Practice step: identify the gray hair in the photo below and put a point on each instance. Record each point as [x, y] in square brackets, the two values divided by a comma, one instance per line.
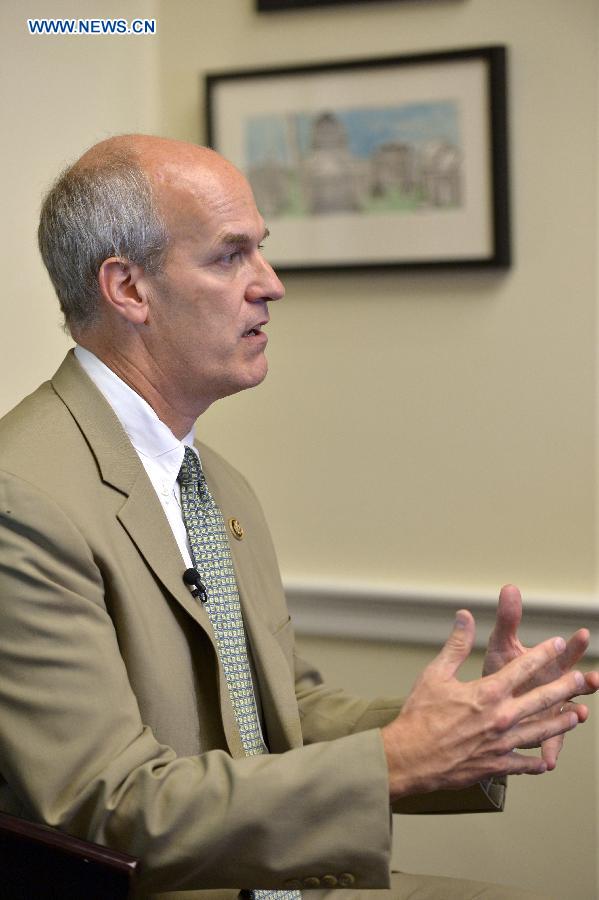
[93, 212]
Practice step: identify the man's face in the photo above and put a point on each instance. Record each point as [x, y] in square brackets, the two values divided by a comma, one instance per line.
[208, 305]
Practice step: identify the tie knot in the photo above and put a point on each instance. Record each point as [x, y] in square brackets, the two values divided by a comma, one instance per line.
[191, 470]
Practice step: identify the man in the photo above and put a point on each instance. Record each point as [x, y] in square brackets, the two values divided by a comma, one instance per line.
[150, 696]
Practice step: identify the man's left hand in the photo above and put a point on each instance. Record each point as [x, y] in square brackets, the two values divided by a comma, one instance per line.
[504, 645]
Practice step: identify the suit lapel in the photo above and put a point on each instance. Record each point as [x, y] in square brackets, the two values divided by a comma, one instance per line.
[144, 520]
[141, 514]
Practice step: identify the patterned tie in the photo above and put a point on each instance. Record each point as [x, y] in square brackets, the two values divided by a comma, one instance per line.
[211, 557]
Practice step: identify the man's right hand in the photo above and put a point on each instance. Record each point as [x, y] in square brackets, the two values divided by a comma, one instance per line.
[451, 734]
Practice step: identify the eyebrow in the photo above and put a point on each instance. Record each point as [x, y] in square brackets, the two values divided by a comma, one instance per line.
[240, 239]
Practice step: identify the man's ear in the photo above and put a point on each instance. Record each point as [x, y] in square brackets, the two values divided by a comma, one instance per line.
[123, 288]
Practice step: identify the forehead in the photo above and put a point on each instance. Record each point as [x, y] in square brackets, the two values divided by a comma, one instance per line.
[202, 202]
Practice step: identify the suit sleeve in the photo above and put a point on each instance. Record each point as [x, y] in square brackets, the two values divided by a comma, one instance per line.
[327, 714]
[75, 753]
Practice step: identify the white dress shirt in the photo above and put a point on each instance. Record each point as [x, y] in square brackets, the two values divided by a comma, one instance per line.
[160, 452]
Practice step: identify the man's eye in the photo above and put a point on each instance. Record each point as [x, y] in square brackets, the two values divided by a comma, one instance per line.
[230, 258]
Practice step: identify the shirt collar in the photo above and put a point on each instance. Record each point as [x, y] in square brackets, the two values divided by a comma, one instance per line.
[150, 436]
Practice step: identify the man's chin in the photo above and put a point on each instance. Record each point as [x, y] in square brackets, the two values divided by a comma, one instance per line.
[251, 379]
[258, 373]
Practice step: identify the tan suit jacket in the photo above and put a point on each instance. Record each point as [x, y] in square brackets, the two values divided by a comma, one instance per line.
[115, 722]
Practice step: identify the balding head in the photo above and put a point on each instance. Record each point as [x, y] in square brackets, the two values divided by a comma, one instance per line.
[176, 170]
[122, 199]
[164, 160]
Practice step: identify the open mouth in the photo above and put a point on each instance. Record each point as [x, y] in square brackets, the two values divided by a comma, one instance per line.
[255, 331]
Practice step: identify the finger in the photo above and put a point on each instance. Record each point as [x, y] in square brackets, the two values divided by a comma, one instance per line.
[551, 749]
[592, 682]
[580, 709]
[576, 647]
[547, 695]
[456, 648]
[535, 732]
[508, 617]
[519, 764]
[522, 670]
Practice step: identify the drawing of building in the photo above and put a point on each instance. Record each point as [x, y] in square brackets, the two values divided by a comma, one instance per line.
[270, 184]
[439, 164]
[394, 167]
[332, 179]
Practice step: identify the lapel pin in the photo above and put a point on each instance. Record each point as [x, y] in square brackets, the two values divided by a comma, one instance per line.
[236, 529]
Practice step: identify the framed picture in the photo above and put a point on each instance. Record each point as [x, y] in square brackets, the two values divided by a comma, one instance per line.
[277, 5]
[373, 163]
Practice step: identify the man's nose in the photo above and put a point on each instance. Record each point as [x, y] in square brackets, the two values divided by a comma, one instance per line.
[266, 284]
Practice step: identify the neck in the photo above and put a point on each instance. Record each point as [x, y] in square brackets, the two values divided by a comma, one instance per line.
[176, 413]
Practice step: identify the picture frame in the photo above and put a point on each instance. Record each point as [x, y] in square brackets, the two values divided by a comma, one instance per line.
[284, 5]
[374, 163]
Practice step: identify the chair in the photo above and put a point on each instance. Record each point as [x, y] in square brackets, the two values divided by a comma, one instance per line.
[42, 863]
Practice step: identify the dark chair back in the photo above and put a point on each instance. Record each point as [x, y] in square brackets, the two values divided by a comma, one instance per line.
[41, 863]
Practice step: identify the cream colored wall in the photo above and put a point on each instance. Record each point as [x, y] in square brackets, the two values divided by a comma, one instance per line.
[438, 429]
[59, 95]
[446, 422]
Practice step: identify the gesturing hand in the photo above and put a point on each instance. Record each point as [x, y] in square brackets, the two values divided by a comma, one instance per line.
[504, 646]
[451, 734]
